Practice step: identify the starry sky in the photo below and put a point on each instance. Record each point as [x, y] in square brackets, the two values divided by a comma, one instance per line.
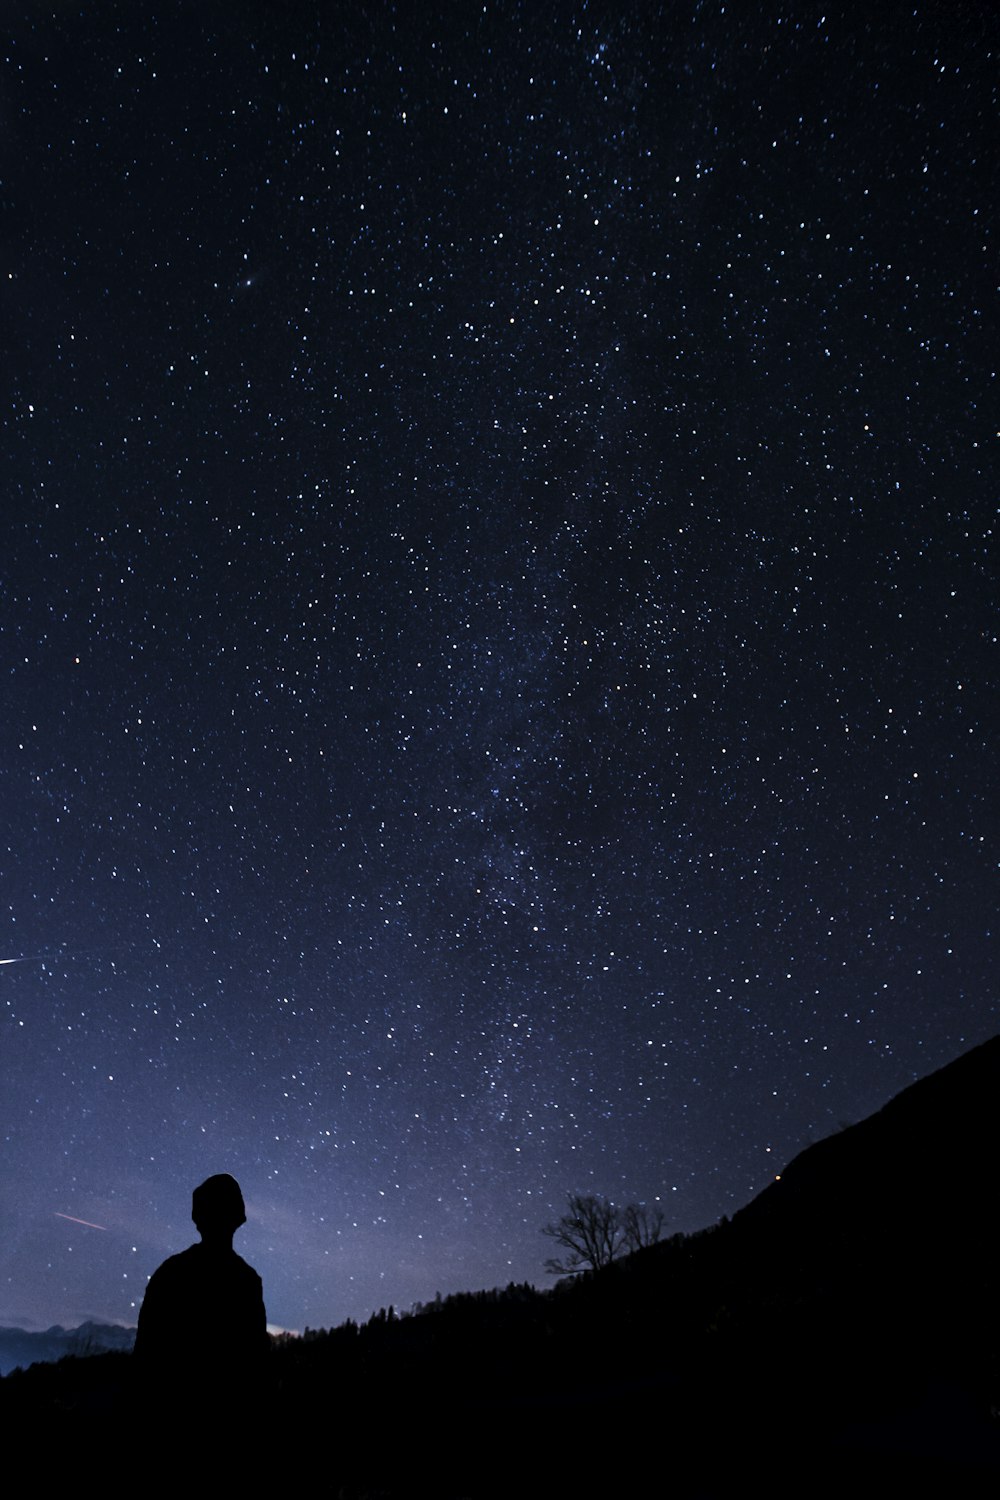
[498, 627]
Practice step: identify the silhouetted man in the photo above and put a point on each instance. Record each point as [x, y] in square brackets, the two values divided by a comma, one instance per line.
[202, 1341]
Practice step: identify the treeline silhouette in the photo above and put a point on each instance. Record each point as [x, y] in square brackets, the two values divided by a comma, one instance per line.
[841, 1330]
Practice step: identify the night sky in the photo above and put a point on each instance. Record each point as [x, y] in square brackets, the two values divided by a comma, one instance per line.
[498, 628]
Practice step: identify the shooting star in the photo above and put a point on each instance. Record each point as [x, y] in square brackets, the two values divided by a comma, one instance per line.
[61, 954]
[85, 1222]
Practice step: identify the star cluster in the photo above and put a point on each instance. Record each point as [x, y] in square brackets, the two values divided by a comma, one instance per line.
[499, 629]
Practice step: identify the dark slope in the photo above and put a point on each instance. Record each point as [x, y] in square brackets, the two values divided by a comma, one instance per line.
[905, 1189]
[928, 1155]
[890, 1223]
[851, 1309]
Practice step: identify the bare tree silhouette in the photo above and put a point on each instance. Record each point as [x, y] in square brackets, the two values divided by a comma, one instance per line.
[593, 1232]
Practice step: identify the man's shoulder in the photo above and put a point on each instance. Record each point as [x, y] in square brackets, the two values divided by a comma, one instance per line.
[176, 1266]
[182, 1259]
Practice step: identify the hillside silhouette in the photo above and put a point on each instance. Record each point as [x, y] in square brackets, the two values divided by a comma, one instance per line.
[842, 1329]
[19, 1348]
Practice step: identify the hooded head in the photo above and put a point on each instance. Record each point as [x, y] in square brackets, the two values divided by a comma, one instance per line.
[217, 1206]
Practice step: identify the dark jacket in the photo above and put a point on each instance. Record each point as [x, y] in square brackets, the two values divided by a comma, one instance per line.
[202, 1338]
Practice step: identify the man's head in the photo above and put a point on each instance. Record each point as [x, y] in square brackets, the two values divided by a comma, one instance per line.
[217, 1207]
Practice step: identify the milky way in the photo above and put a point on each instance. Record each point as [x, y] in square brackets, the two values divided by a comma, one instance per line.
[499, 634]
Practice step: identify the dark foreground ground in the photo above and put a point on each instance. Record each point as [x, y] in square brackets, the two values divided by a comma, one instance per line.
[840, 1336]
[446, 1405]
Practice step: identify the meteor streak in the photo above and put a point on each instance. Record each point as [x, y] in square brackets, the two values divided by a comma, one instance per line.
[85, 1222]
